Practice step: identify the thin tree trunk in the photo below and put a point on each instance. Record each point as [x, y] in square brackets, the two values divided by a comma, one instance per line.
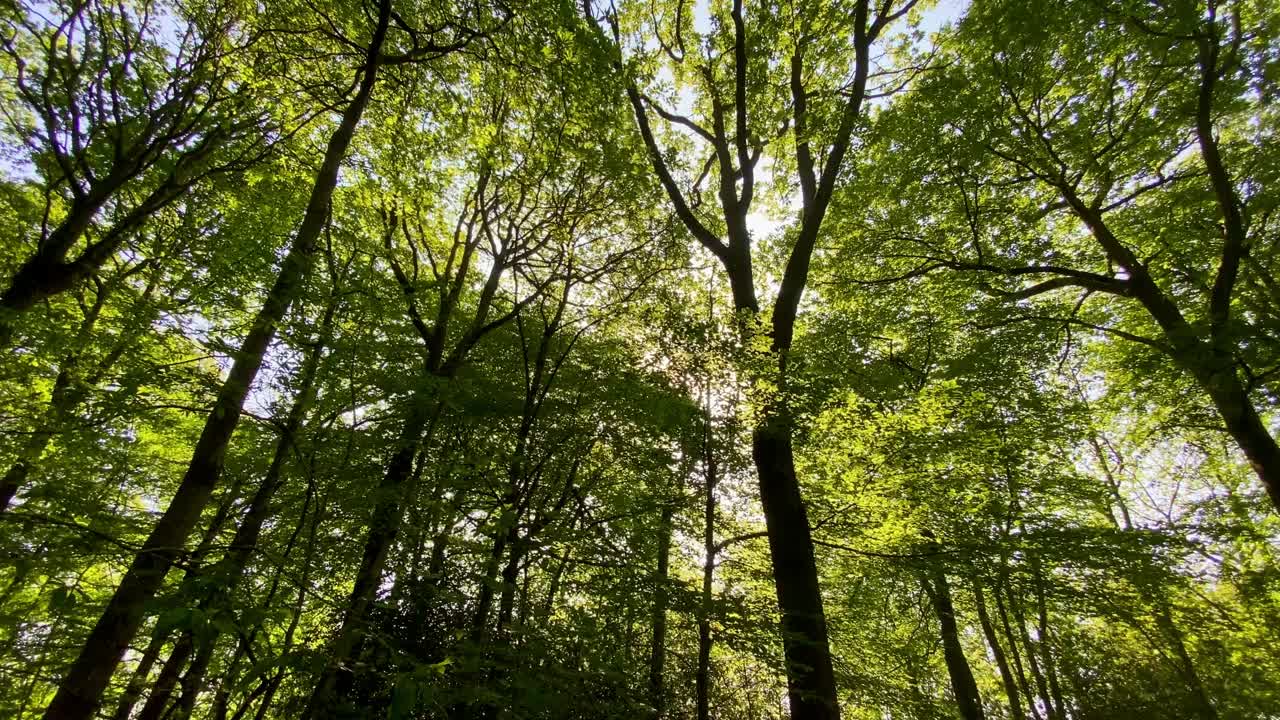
[553, 588]
[1200, 704]
[62, 402]
[1014, 652]
[658, 647]
[711, 478]
[81, 689]
[1042, 685]
[997, 652]
[963, 686]
[1046, 649]
[162, 688]
[138, 681]
[510, 580]
[383, 527]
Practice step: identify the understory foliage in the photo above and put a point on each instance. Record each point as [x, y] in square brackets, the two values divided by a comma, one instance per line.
[561, 359]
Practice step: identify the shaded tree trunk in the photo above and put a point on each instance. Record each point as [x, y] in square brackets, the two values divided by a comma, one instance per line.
[810, 676]
[63, 400]
[1014, 652]
[138, 680]
[658, 644]
[997, 652]
[710, 480]
[963, 686]
[384, 525]
[1033, 663]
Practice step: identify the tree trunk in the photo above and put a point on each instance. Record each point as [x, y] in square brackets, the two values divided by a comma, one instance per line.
[997, 652]
[40, 276]
[1014, 652]
[230, 570]
[383, 527]
[510, 580]
[963, 686]
[1037, 675]
[658, 647]
[62, 401]
[810, 677]
[1246, 427]
[1046, 649]
[138, 681]
[81, 689]
[162, 688]
[711, 479]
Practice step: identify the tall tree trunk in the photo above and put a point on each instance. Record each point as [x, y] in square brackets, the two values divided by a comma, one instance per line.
[710, 480]
[138, 681]
[383, 528]
[81, 689]
[1046, 648]
[229, 571]
[1014, 652]
[963, 686]
[997, 652]
[658, 645]
[1033, 663]
[162, 688]
[810, 676]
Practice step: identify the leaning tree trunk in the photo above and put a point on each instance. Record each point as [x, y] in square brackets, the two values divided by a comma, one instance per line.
[62, 402]
[997, 652]
[230, 569]
[963, 686]
[81, 689]
[383, 528]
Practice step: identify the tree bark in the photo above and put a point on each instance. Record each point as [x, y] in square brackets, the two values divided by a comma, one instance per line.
[810, 676]
[81, 689]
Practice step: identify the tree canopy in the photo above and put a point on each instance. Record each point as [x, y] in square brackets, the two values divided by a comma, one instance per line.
[569, 359]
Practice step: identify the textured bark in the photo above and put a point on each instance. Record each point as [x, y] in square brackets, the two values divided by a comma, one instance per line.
[81, 689]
